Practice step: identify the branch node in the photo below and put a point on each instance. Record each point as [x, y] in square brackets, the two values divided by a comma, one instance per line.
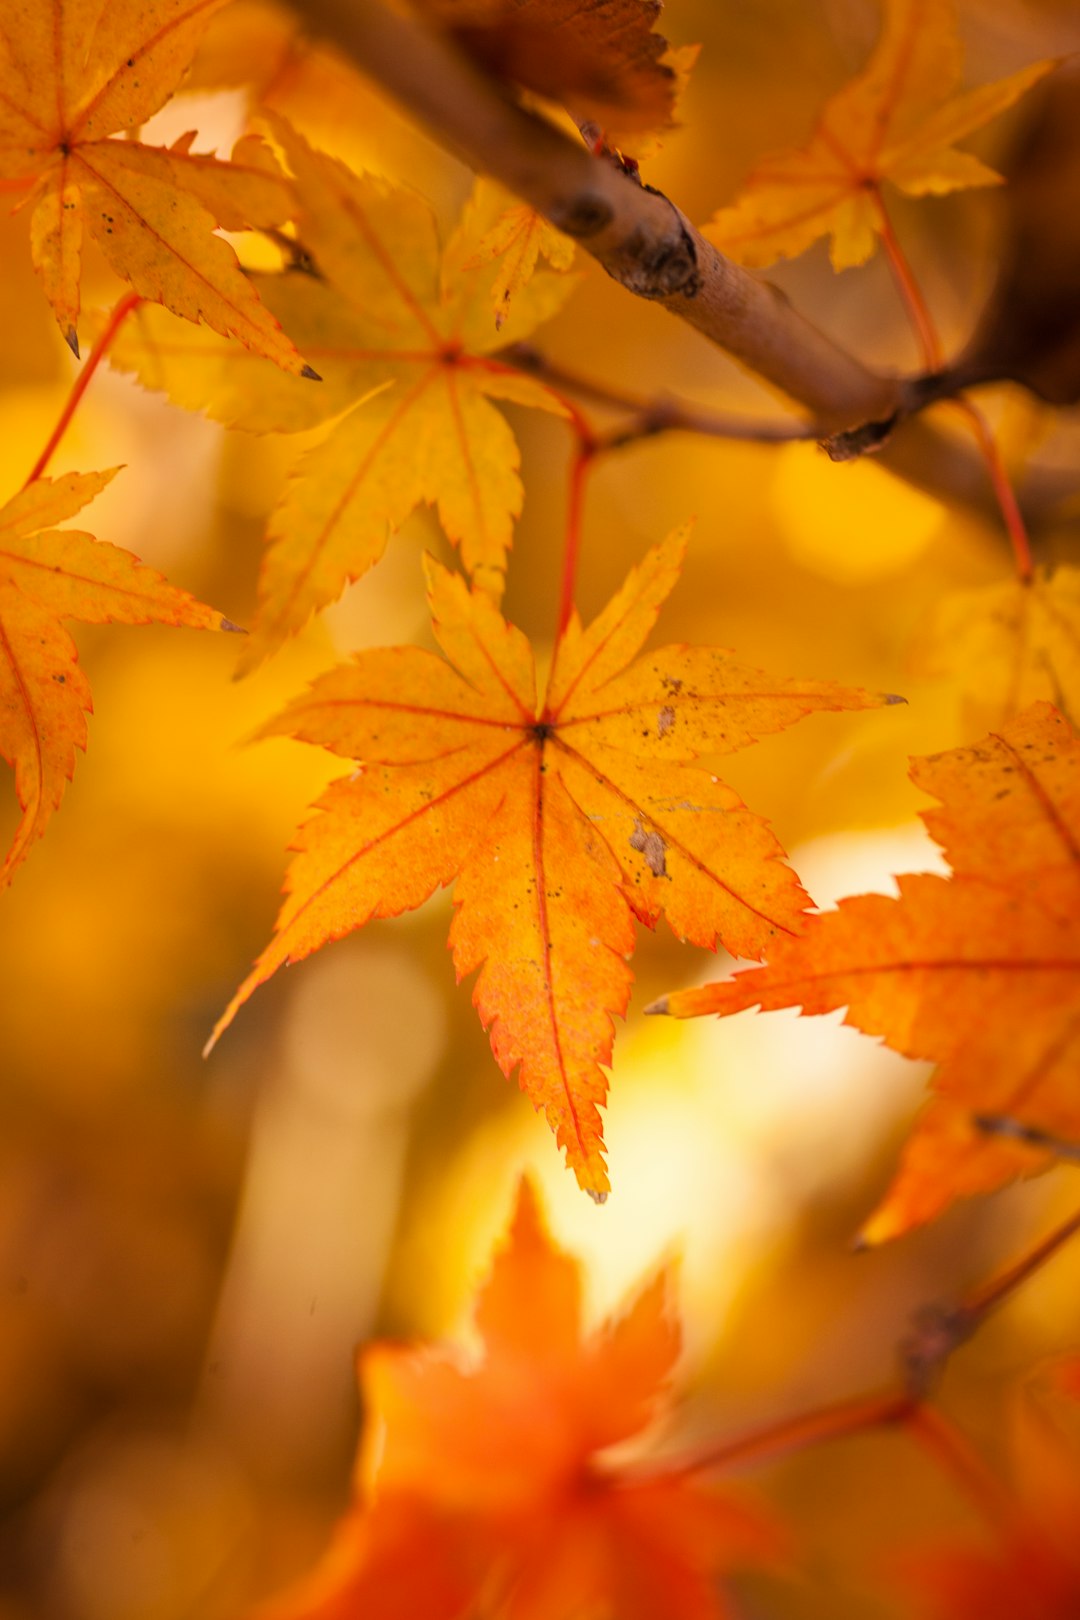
[936, 1331]
[583, 215]
[659, 268]
[863, 440]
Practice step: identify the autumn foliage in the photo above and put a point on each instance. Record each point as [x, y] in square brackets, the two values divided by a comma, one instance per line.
[332, 359]
[978, 973]
[488, 1482]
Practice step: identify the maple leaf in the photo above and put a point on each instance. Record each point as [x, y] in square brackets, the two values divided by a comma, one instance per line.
[47, 575]
[517, 240]
[71, 77]
[602, 58]
[483, 1487]
[897, 121]
[560, 820]
[1011, 645]
[383, 312]
[979, 972]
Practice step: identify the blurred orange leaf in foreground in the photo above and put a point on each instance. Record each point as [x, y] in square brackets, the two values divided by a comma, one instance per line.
[1034, 1569]
[482, 1485]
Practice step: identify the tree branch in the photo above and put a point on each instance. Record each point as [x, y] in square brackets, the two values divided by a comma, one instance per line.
[661, 414]
[637, 234]
[647, 244]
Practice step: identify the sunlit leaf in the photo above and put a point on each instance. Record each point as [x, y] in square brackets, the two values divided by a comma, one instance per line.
[72, 76]
[979, 972]
[561, 820]
[408, 332]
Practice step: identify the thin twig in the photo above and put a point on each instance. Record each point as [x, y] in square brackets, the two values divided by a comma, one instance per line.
[789, 1435]
[936, 1331]
[993, 1293]
[653, 416]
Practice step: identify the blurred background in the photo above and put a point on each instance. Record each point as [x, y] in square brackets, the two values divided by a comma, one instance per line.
[190, 1252]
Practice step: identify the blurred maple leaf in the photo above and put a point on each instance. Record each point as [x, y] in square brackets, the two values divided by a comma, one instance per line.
[484, 1489]
[381, 312]
[1010, 645]
[979, 972]
[560, 821]
[70, 78]
[896, 121]
[1033, 1571]
[47, 575]
[516, 241]
[603, 61]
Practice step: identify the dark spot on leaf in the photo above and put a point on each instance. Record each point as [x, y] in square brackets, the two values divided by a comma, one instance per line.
[652, 846]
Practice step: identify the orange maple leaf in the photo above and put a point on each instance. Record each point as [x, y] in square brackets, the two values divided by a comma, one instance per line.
[979, 972]
[407, 333]
[71, 77]
[483, 1487]
[560, 820]
[47, 575]
[897, 121]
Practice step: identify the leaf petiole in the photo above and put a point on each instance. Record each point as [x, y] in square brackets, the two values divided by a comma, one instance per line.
[106, 336]
[933, 360]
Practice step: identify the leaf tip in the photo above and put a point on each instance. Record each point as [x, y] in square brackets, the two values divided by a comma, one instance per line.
[889, 698]
[71, 338]
[233, 629]
[310, 373]
[658, 1006]
[597, 1196]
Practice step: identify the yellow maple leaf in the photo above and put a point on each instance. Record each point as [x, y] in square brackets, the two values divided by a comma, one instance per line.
[897, 121]
[47, 575]
[72, 75]
[559, 821]
[515, 242]
[979, 972]
[489, 1488]
[1008, 646]
[407, 332]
